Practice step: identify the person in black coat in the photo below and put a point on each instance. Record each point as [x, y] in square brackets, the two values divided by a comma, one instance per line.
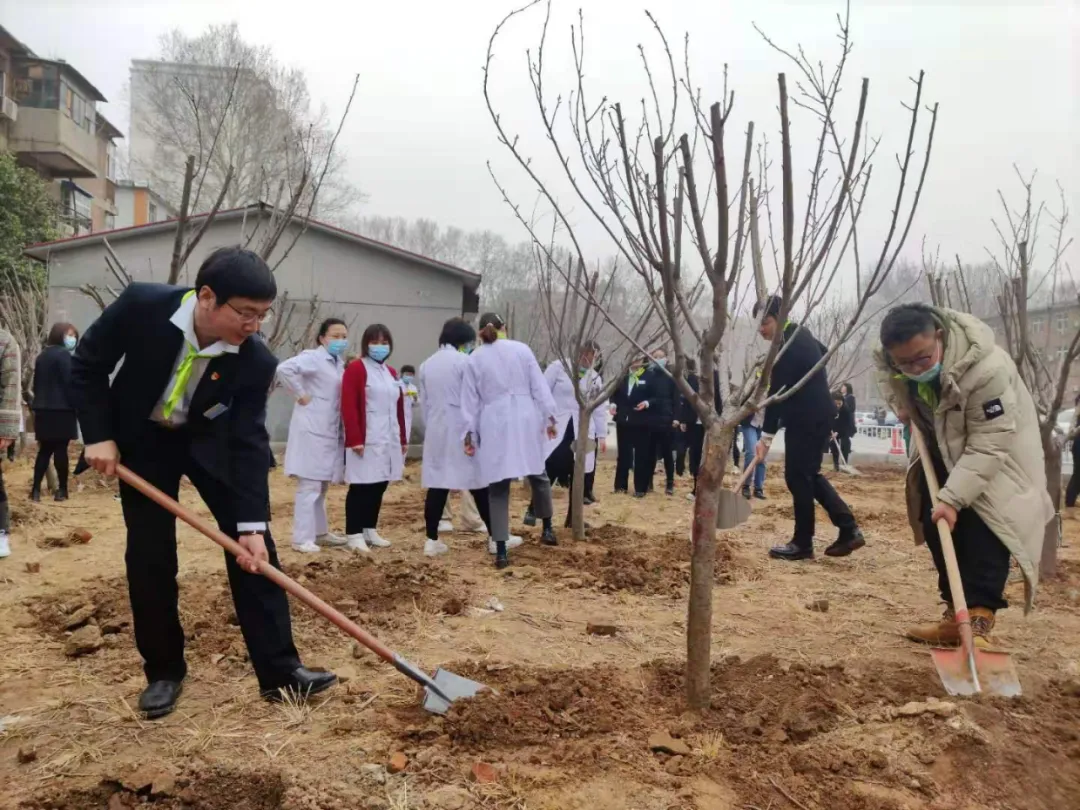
[690, 425]
[843, 430]
[808, 416]
[654, 399]
[628, 423]
[54, 416]
[190, 399]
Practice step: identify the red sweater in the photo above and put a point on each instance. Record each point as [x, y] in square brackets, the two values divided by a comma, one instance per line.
[354, 404]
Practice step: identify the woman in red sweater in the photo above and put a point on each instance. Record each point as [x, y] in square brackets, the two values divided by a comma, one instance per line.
[373, 412]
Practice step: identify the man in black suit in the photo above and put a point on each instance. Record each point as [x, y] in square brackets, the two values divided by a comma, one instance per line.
[190, 399]
[627, 424]
[807, 414]
[690, 424]
[654, 401]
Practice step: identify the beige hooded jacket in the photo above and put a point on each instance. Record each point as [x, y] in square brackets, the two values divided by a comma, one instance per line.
[987, 431]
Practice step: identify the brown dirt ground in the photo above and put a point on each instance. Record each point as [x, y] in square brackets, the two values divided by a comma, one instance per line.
[808, 710]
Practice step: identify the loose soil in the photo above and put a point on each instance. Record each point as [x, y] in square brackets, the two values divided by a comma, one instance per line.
[814, 710]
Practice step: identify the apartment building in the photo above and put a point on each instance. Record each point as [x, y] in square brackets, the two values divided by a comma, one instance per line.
[139, 204]
[52, 125]
[1051, 330]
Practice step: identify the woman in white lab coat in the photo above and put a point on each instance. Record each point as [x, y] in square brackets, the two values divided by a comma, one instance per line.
[445, 467]
[508, 408]
[373, 412]
[315, 451]
[560, 459]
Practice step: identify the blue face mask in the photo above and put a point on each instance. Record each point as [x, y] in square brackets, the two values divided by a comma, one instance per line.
[69, 342]
[927, 376]
[407, 379]
[378, 352]
[337, 347]
[660, 362]
[467, 348]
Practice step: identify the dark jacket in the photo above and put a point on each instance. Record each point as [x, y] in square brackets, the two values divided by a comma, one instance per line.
[686, 413]
[52, 378]
[233, 447]
[659, 390]
[844, 421]
[624, 403]
[810, 405]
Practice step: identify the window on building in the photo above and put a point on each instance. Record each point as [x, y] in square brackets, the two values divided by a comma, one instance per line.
[152, 213]
[1061, 322]
[3, 84]
[1061, 353]
[37, 86]
[110, 221]
[110, 162]
[1038, 326]
[75, 206]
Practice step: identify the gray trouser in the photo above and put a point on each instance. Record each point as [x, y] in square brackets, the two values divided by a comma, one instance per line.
[499, 504]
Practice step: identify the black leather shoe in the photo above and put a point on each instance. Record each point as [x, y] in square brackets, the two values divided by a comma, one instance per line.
[846, 543]
[669, 490]
[529, 519]
[589, 499]
[302, 684]
[746, 493]
[35, 495]
[791, 552]
[502, 561]
[548, 538]
[159, 698]
[639, 494]
[621, 491]
[759, 494]
[61, 494]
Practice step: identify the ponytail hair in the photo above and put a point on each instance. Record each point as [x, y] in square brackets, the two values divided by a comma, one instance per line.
[490, 326]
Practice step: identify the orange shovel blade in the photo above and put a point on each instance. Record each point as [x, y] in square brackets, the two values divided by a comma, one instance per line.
[982, 671]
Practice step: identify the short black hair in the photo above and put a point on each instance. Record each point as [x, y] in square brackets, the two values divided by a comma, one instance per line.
[233, 272]
[324, 327]
[772, 306]
[58, 332]
[457, 332]
[904, 322]
[408, 368]
[691, 365]
[374, 332]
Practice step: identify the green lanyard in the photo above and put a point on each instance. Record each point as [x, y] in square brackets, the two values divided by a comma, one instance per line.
[183, 373]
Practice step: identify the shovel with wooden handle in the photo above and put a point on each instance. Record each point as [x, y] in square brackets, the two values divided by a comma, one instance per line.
[440, 690]
[733, 508]
[966, 670]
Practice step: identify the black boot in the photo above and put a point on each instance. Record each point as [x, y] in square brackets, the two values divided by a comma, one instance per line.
[792, 552]
[849, 540]
[501, 560]
[548, 538]
[35, 494]
[61, 494]
[159, 698]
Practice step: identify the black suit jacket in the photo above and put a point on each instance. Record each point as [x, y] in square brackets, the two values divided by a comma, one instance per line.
[658, 389]
[812, 404]
[621, 398]
[686, 414]
[234, 447]
[52, 375]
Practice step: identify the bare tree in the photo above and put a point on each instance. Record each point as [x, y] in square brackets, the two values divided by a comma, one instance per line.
[1019, 295]
[575, 322]
[246, 119]
[643, 186]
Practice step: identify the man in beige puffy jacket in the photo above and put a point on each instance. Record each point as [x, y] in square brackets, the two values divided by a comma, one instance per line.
[944, 373]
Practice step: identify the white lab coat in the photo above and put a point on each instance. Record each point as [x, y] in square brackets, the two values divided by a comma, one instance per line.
[566, 408]
[316, 443]
[382, 459]
[445, 465]
[410, 393]
[507, 405]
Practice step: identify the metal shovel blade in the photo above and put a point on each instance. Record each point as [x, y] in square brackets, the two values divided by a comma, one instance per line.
[450, 688]
[732, 510]
[983, 671]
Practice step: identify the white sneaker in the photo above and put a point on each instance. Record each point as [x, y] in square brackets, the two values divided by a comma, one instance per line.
[478, 528]
[691, 497]
[374, 540]
[513, 542]
[446, 526]
[5, 545]
[356, 542]
[305, 548]
[330, 540]
[433, 548]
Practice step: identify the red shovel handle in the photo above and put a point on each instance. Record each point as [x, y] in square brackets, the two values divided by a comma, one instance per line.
[283, 581]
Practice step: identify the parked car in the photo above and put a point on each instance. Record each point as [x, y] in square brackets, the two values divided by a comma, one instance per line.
[865, 418]
[891, 419]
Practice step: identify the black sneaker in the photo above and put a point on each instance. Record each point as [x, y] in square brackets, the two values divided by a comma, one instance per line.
[746, 493]
[792, 552]
[589, 499]
[759, 494]
[35, 495]
[847, 542]
[639, 494]
[61, 494]
[669, 490]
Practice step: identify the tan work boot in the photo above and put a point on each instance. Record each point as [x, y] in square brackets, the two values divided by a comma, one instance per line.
[945, 633]
[982, 622]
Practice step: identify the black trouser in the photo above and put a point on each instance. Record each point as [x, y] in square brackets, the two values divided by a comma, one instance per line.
[644, 459]
[680, 443]
[590, 477]
[1073, 489]
[695, 443]
[624, 438]
[435, 503]
[5, 511]
[845, 448]
[362, 506]
[982, 559]
[802, 474]
[56, 451]
[663, 448]
[262, 608]
[735, 449]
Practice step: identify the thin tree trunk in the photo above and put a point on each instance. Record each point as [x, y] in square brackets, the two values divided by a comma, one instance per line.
[1052, 465]
[577, 490]
[702, 565]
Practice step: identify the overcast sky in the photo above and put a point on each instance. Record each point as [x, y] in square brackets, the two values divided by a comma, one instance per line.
[1007, 76]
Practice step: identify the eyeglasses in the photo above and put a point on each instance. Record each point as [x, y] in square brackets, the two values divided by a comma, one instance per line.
[251, 317]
